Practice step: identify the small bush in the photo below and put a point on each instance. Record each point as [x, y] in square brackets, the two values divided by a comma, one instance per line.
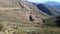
[1, 26]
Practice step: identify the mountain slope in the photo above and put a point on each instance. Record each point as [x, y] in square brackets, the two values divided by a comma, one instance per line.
[54, 4]
[19, 16]
[10, 10]
[48, 9]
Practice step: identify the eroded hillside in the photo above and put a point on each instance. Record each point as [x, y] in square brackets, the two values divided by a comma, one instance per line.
[19, 17]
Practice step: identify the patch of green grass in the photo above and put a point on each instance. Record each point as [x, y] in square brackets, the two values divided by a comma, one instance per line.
[49, 30]
[51, 21]
[1, 26]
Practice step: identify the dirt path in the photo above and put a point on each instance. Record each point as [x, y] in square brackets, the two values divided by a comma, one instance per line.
[9, 8]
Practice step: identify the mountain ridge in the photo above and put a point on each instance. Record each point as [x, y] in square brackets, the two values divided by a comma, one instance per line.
[54, 4]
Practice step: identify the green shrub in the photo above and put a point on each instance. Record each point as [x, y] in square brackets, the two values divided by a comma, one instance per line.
[1, 26]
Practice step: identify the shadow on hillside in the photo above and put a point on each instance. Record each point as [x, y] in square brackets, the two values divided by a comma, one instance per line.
[58, 21]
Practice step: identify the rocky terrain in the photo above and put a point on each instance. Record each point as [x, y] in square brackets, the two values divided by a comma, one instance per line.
[19, 17]
[22, 17]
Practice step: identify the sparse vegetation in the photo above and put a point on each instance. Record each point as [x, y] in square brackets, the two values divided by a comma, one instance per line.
[1, 26]
[16, 20]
